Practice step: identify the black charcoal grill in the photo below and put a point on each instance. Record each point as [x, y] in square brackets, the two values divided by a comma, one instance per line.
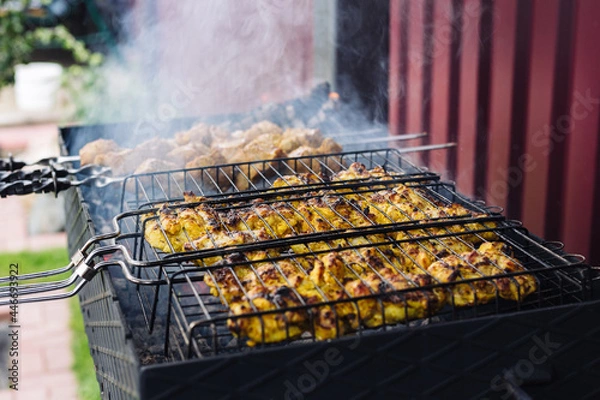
[167, 336]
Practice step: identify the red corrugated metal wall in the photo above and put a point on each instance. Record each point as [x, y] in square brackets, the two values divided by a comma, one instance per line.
[516, 83]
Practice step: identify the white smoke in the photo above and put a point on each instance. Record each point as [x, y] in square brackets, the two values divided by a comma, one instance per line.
[233, 55]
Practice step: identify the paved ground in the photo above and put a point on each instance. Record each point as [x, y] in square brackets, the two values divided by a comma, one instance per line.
[45, 354]
[29, 143]
[45, 338]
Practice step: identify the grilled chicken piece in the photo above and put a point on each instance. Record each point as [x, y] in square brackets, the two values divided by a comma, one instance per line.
[297, 180]
[219, 240]
[226, 282]
[120, 162]
[491, 259]
[401, 304]
[383, 278]
[201, 134]
[260, 148]
[179, 225]
[265, 141]
[279, 219]
[256, 150]
[418, 255]
[228, 149]
[330, 146]
[217, 179]
[230, 282]
[302, 151]
[297, 137]
[325, 322]
[164, 232]
[257, 130]
[403, 203]
[483, 263]
[152, 165]
[172, 227]
[91, 150]
[154, 148]
[271, 327]
[454, 268]
[157, 180]
[182, 155]
[357, 171]
[316, 165]
[264, 288]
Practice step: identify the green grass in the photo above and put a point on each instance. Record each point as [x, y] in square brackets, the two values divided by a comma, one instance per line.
[30, 262]
[83, 366]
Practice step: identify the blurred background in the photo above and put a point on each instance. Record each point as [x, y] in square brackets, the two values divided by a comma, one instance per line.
[513, 82]
[48, 53]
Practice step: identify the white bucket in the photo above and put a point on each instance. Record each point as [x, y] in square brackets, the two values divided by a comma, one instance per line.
[36, 86]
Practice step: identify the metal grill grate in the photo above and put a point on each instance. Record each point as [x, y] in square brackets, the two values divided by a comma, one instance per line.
[196, 320]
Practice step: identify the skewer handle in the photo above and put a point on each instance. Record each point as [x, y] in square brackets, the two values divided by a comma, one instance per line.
[23, 187]
[10, 164]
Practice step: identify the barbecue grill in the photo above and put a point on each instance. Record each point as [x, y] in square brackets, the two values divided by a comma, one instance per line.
[156, 332]
[171, 340]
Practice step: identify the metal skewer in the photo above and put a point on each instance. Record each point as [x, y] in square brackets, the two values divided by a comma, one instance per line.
[381, 135]
[427, 147]
[395, 138]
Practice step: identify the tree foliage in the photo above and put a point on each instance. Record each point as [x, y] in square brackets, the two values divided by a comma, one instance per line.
[19, 38]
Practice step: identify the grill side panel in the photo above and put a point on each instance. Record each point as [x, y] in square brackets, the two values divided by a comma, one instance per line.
[110, 341]
[551, 354]
[117, 368]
